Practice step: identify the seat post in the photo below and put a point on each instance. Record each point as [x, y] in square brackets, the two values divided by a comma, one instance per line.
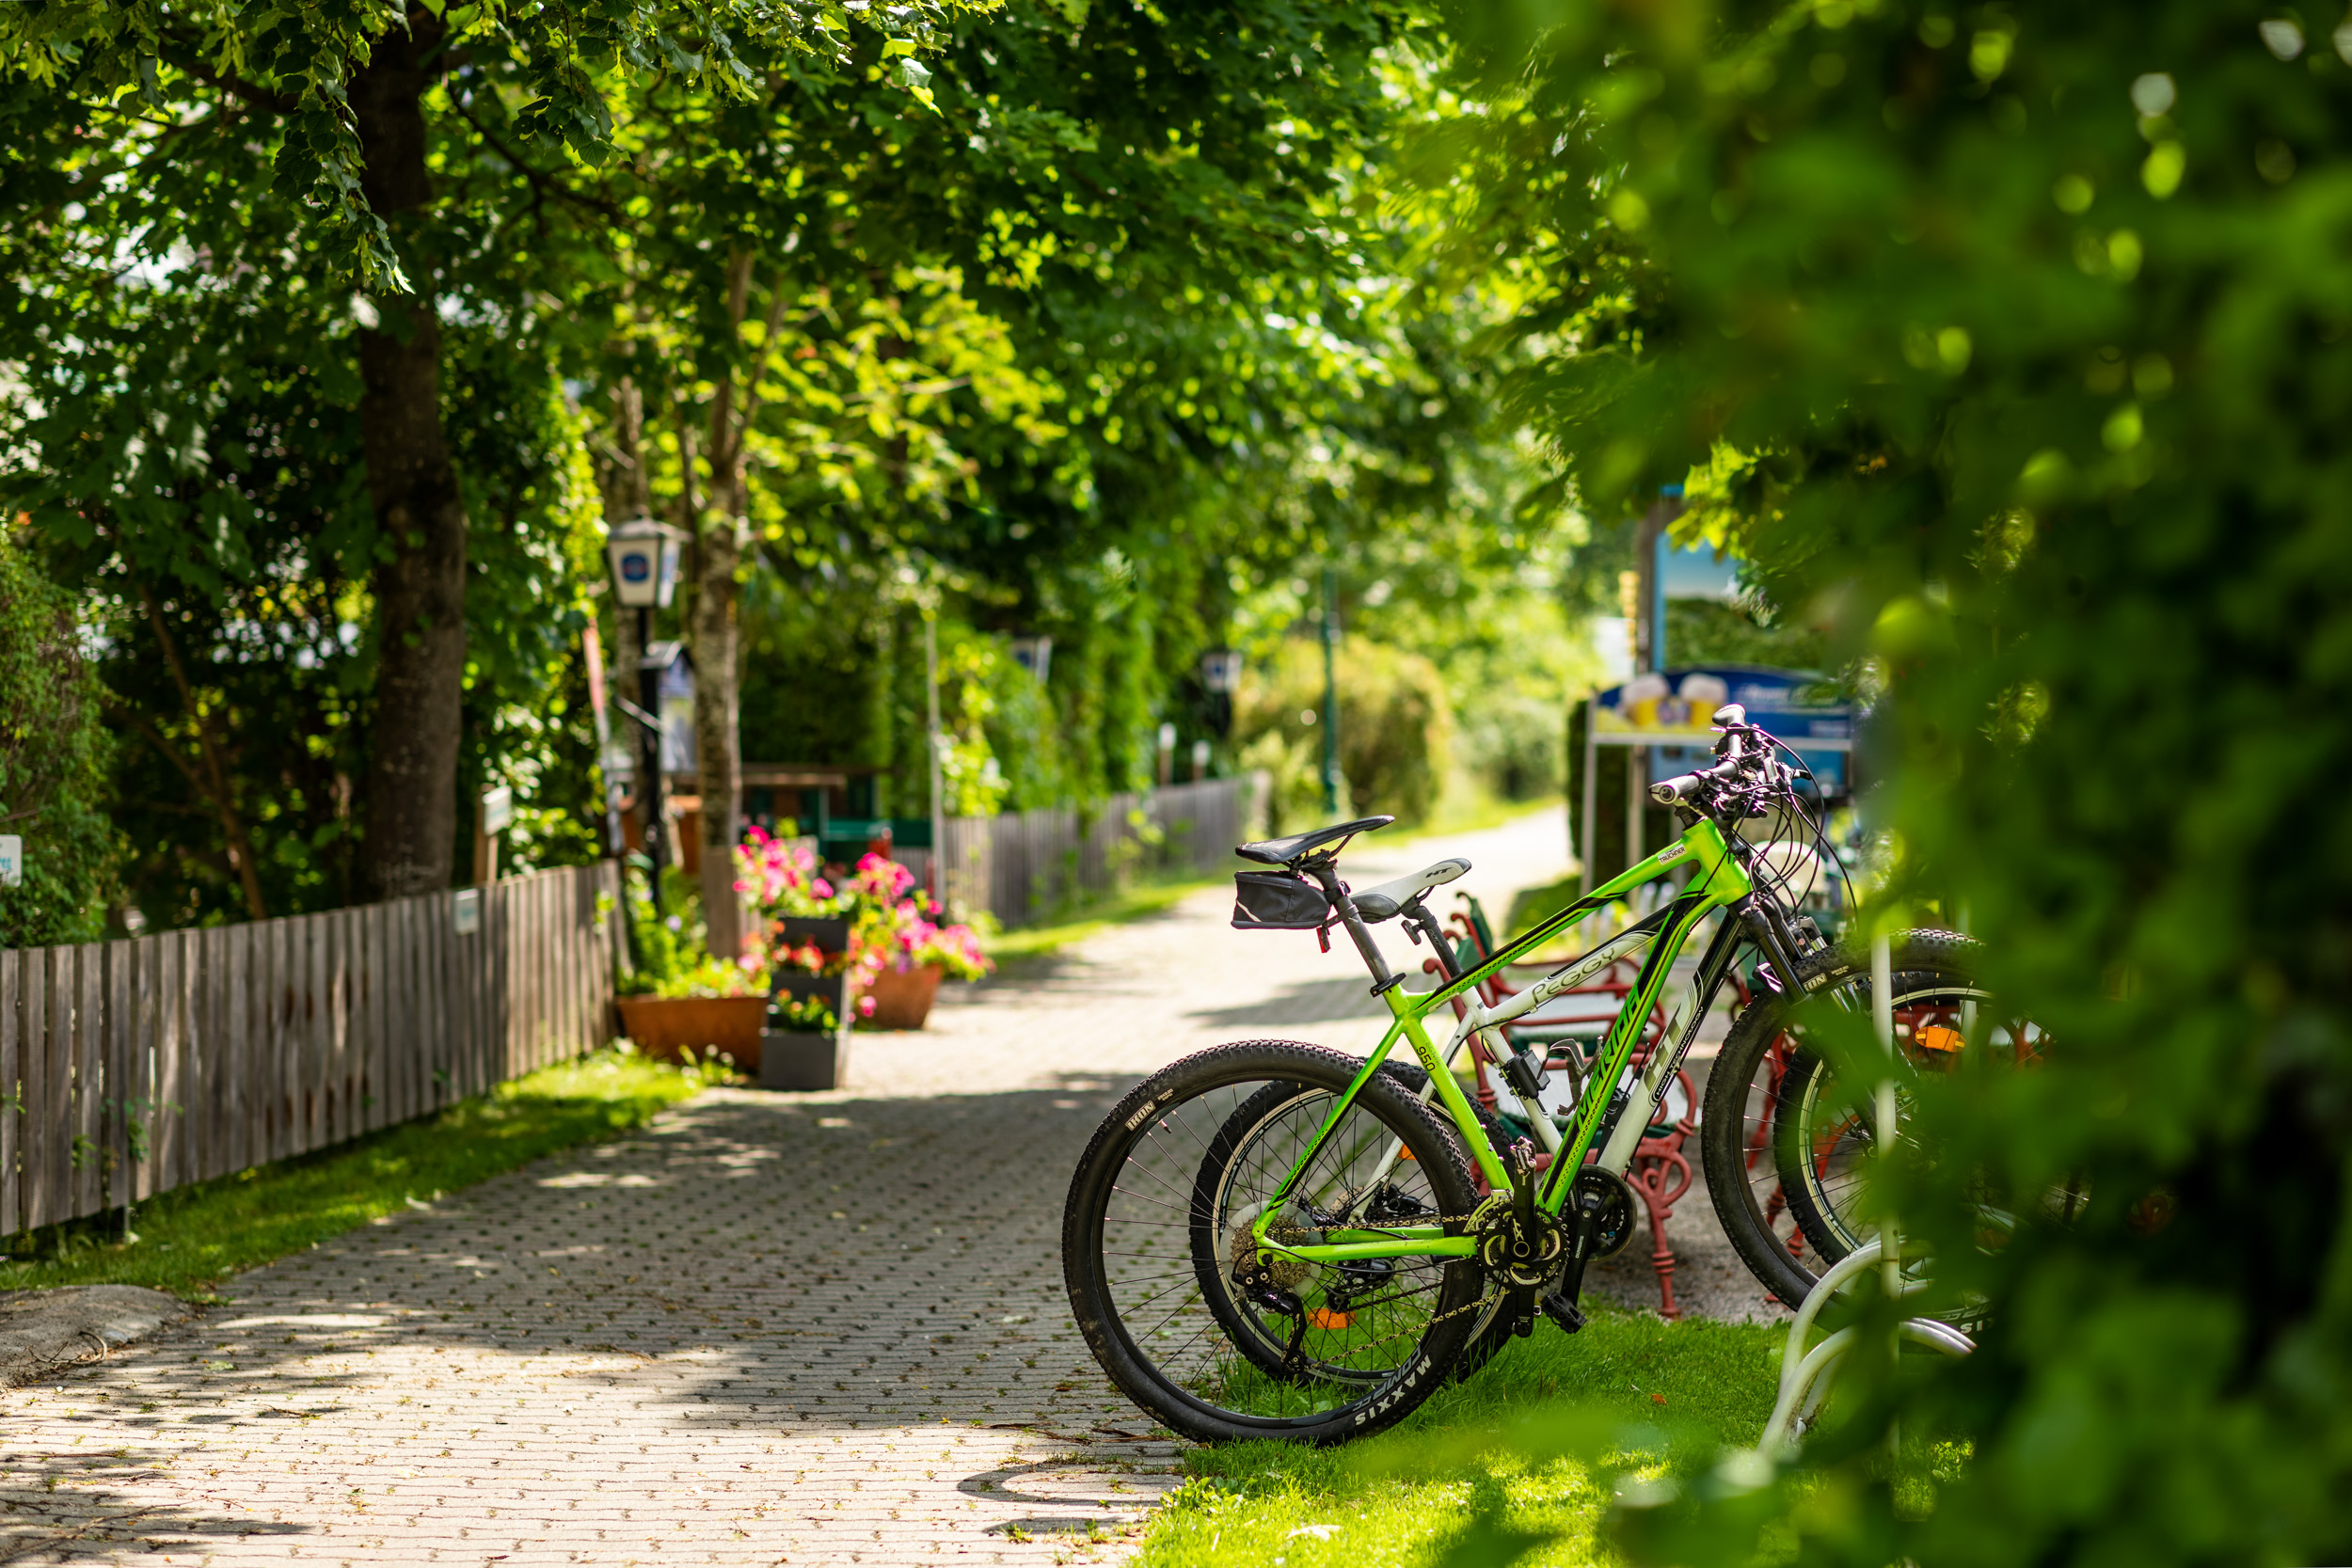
[1325, 871]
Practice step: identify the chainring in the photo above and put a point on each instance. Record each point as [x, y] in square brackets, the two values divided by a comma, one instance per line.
[1522, 1258]
[1613, 1228]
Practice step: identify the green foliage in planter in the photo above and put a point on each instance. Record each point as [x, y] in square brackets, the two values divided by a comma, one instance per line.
[2020, 334]
[665, 947]
[804, 1015]
[53, 763]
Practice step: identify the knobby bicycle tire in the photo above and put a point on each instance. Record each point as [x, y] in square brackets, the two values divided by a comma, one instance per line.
[1491, 1326]
[1176, 1353]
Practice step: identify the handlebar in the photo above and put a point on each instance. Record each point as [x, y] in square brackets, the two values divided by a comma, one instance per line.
[1682, 787]
[1741, 757]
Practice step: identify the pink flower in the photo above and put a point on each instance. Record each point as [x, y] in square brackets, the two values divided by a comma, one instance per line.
[865, 1006]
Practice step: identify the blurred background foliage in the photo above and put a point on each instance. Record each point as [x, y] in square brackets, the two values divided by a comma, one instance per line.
[1114, 334]
[2012, 341]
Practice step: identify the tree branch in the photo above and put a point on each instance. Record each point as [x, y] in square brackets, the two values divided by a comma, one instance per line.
[240, 847]
[544, 184]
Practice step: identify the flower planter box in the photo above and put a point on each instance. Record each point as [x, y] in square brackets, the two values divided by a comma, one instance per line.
[902, 999]
[803, 1061]
[667, 1027]
[831, 934]
[795, 986]
[807, 1058]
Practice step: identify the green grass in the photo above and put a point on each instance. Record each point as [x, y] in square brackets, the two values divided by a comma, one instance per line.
[187, 1241]
[1032, 941]
[1533, 1446]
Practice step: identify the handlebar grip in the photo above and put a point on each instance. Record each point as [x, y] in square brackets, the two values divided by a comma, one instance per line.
[1682, 786]
[1674, 791]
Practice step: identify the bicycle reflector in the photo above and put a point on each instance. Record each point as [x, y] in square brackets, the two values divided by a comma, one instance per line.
[1935, 1036]
[1274, 901]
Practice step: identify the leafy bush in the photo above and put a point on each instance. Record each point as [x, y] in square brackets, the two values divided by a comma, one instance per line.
[1516, 742]
[2033, 323]
[665, 947]
[52, 764]
[1396, 731]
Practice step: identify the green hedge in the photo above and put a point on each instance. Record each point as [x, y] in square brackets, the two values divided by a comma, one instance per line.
[1396, 728]
[53, 763]
[2023, 332]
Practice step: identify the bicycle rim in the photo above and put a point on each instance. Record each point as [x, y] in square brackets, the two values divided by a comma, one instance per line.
[1824, 1135]
[1164, 1272]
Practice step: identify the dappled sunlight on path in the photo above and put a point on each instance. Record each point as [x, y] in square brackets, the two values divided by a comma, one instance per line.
[803, 1328]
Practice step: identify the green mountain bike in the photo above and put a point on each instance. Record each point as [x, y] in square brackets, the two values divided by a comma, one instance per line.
[1271, 1239]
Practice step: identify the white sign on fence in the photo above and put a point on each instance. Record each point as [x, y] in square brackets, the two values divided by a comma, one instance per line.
[498, 809]
[465, 907]
[11, 859]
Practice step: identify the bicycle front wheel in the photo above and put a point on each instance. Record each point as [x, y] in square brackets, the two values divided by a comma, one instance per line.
[1781, 1141]
[1173, 1295]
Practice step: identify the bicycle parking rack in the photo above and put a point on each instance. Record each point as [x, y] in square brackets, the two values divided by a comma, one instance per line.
[1805, 1376]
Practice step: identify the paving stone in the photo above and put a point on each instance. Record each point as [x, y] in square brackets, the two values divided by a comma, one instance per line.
[824, 1328]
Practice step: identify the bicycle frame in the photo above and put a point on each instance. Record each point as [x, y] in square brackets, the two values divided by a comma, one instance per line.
[1717, 881]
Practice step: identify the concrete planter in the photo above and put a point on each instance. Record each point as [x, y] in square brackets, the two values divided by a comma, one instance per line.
[833, 990]
[798, 1061]
[667, 1027]
[829, 932]
[902, 999]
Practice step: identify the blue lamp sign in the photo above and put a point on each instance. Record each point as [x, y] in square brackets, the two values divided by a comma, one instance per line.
[645, 562]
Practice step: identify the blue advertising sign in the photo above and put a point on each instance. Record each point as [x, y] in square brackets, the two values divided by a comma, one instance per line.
[1669, 710]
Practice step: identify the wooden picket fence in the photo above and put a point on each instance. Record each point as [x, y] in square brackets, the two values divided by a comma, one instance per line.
[1023, 865]
[130, 1068]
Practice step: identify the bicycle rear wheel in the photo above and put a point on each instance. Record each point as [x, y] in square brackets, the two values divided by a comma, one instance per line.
[1157, 1255]
[1241, 1140]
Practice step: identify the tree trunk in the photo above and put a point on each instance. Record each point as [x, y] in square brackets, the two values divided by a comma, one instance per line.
[627, 496]
[717, 551]
[411, 784]
[718, 749]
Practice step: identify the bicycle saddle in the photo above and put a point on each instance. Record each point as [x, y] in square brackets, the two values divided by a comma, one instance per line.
[1282, 851]
[1378, 903]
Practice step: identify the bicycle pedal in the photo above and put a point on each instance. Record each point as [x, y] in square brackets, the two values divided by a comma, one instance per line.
[1561, 1311]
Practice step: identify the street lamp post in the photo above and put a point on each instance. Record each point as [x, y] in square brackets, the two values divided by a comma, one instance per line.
[1330, 693]
[644, 558]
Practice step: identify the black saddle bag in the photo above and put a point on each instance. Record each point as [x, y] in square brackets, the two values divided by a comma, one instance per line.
[1278, 901]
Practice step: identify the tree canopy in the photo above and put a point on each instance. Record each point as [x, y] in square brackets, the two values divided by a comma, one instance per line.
[1091, 325]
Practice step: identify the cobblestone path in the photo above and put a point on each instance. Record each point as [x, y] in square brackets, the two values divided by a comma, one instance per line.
[771, 1329]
